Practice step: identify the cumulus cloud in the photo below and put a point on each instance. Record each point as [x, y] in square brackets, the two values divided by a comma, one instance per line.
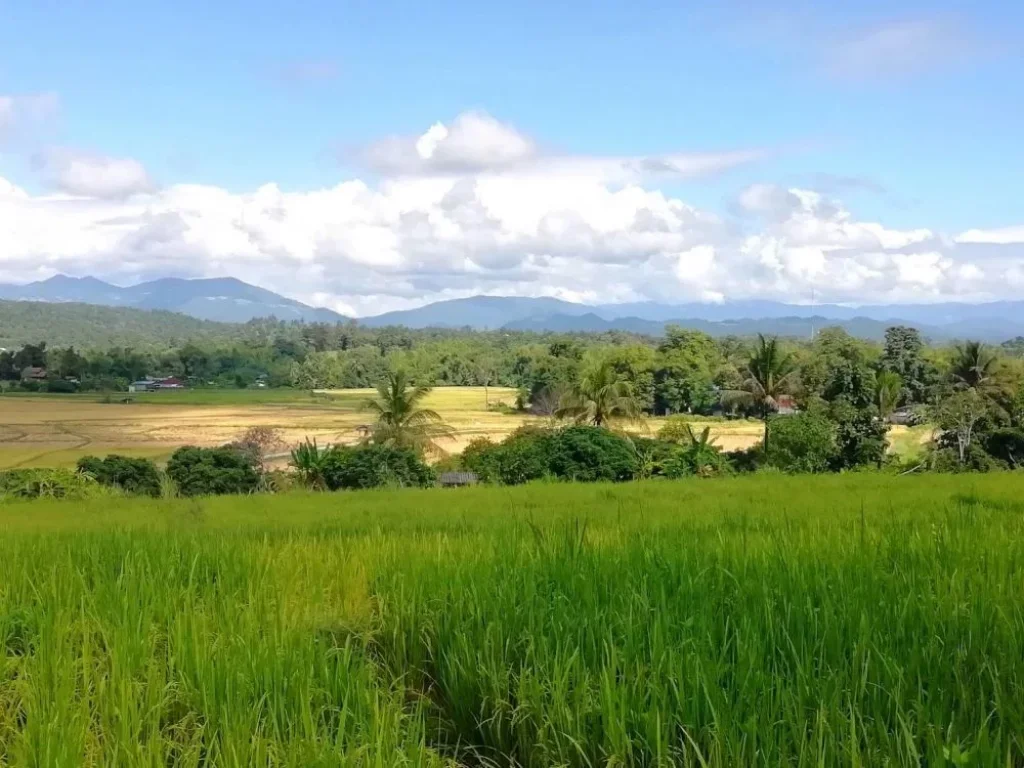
[366, 248]
[92, 175]
[476, 207]
[477, 143]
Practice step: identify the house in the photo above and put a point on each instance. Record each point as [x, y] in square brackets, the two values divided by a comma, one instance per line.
[458, 479]
[150, 384]
[785, 405]
[33, 373]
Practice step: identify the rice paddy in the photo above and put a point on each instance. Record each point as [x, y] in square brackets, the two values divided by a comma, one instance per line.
[854, 620]
[55, 431]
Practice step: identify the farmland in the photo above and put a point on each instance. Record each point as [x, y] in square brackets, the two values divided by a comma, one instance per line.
[765, 620]
[57, 430]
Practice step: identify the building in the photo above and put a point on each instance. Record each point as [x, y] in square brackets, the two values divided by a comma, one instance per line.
[33, 373]
[457, 479]
[786, 405]
[150, 384]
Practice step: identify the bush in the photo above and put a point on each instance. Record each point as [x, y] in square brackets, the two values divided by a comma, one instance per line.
[61, 386]
[802, 442]
[944, 459]
[45, 484]
[374, 466]
[523, 456]
[1006, 445]
[212, 471]
[591, 454]
[135, 476]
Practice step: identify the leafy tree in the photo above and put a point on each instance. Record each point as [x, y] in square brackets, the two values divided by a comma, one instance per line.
[851, 393]
[374, 466]
[212, 471]
[600, 396]
[974, 366]
[769, 375]
[400, 421]
[959, 415]
[903, 355]
[135, 476]
[523, 456]
[589, 453]
[888, 391]
[803, 442]
[1007, 446]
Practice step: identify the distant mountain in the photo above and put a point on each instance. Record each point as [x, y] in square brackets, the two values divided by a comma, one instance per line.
[221, 299]
[480, 312]
[994, 321]
[861, 327]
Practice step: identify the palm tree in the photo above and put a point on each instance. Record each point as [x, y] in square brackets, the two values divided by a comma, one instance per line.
[400, 422]
[974, 366]
[888, 390]
[599, 397]
[768, 376]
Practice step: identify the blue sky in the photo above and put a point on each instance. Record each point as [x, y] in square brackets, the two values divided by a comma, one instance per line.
[911, 113]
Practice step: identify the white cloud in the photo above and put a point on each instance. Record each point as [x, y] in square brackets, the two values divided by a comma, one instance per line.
[477, 143]
[91, 175]
[549, 229]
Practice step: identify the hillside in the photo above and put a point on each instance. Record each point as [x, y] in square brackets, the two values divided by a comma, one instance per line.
[85, 325]
[221, 299]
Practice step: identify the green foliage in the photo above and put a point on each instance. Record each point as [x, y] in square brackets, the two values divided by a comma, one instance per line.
[212, 471]
[698, 456]
[45, 484]
[134, 476]
[523, 456]
[803, 442]
[1006, 445]
[590, 454]
[400, 422]
[904, 355]
[309, 463]
[374, 466]
[602, 395]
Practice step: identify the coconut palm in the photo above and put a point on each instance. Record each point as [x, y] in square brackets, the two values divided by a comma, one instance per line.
[400, 421]
[974, 366]
[888, 389]
[600, 396]
[769, 375]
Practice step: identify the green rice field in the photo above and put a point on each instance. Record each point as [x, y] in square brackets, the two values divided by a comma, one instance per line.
[854, 620]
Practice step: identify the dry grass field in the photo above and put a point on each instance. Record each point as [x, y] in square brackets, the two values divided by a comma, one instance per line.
[57, 431]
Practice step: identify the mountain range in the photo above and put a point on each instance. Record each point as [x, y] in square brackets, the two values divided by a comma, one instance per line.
[231, 300]
[223, 299]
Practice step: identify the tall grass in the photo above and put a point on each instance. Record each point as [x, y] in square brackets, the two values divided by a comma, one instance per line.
[753, 621]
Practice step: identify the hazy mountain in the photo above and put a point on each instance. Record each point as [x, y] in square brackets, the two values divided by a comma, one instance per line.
[481, 312]
[995, 321]
[861, 327]
[222, 299]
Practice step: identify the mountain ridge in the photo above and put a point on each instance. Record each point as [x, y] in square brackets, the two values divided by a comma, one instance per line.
[228, 299]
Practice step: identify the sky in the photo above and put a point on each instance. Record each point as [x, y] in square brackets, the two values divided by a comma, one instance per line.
[371, 156]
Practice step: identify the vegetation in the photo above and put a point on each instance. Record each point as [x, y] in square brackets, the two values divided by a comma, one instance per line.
[839, 620]
[400, 421]
[212, 471]
[131, 475]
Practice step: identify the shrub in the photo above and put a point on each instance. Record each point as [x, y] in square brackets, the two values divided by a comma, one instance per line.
[135, 476]
[61, 386]
[523, 456]
[802, 442]
[212, 471]
[374, 466]
[699, 456]
[1006, 445]
[45, 483]
[591, 454]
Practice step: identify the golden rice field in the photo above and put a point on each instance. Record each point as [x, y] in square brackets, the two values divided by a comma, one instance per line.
[56, 431]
